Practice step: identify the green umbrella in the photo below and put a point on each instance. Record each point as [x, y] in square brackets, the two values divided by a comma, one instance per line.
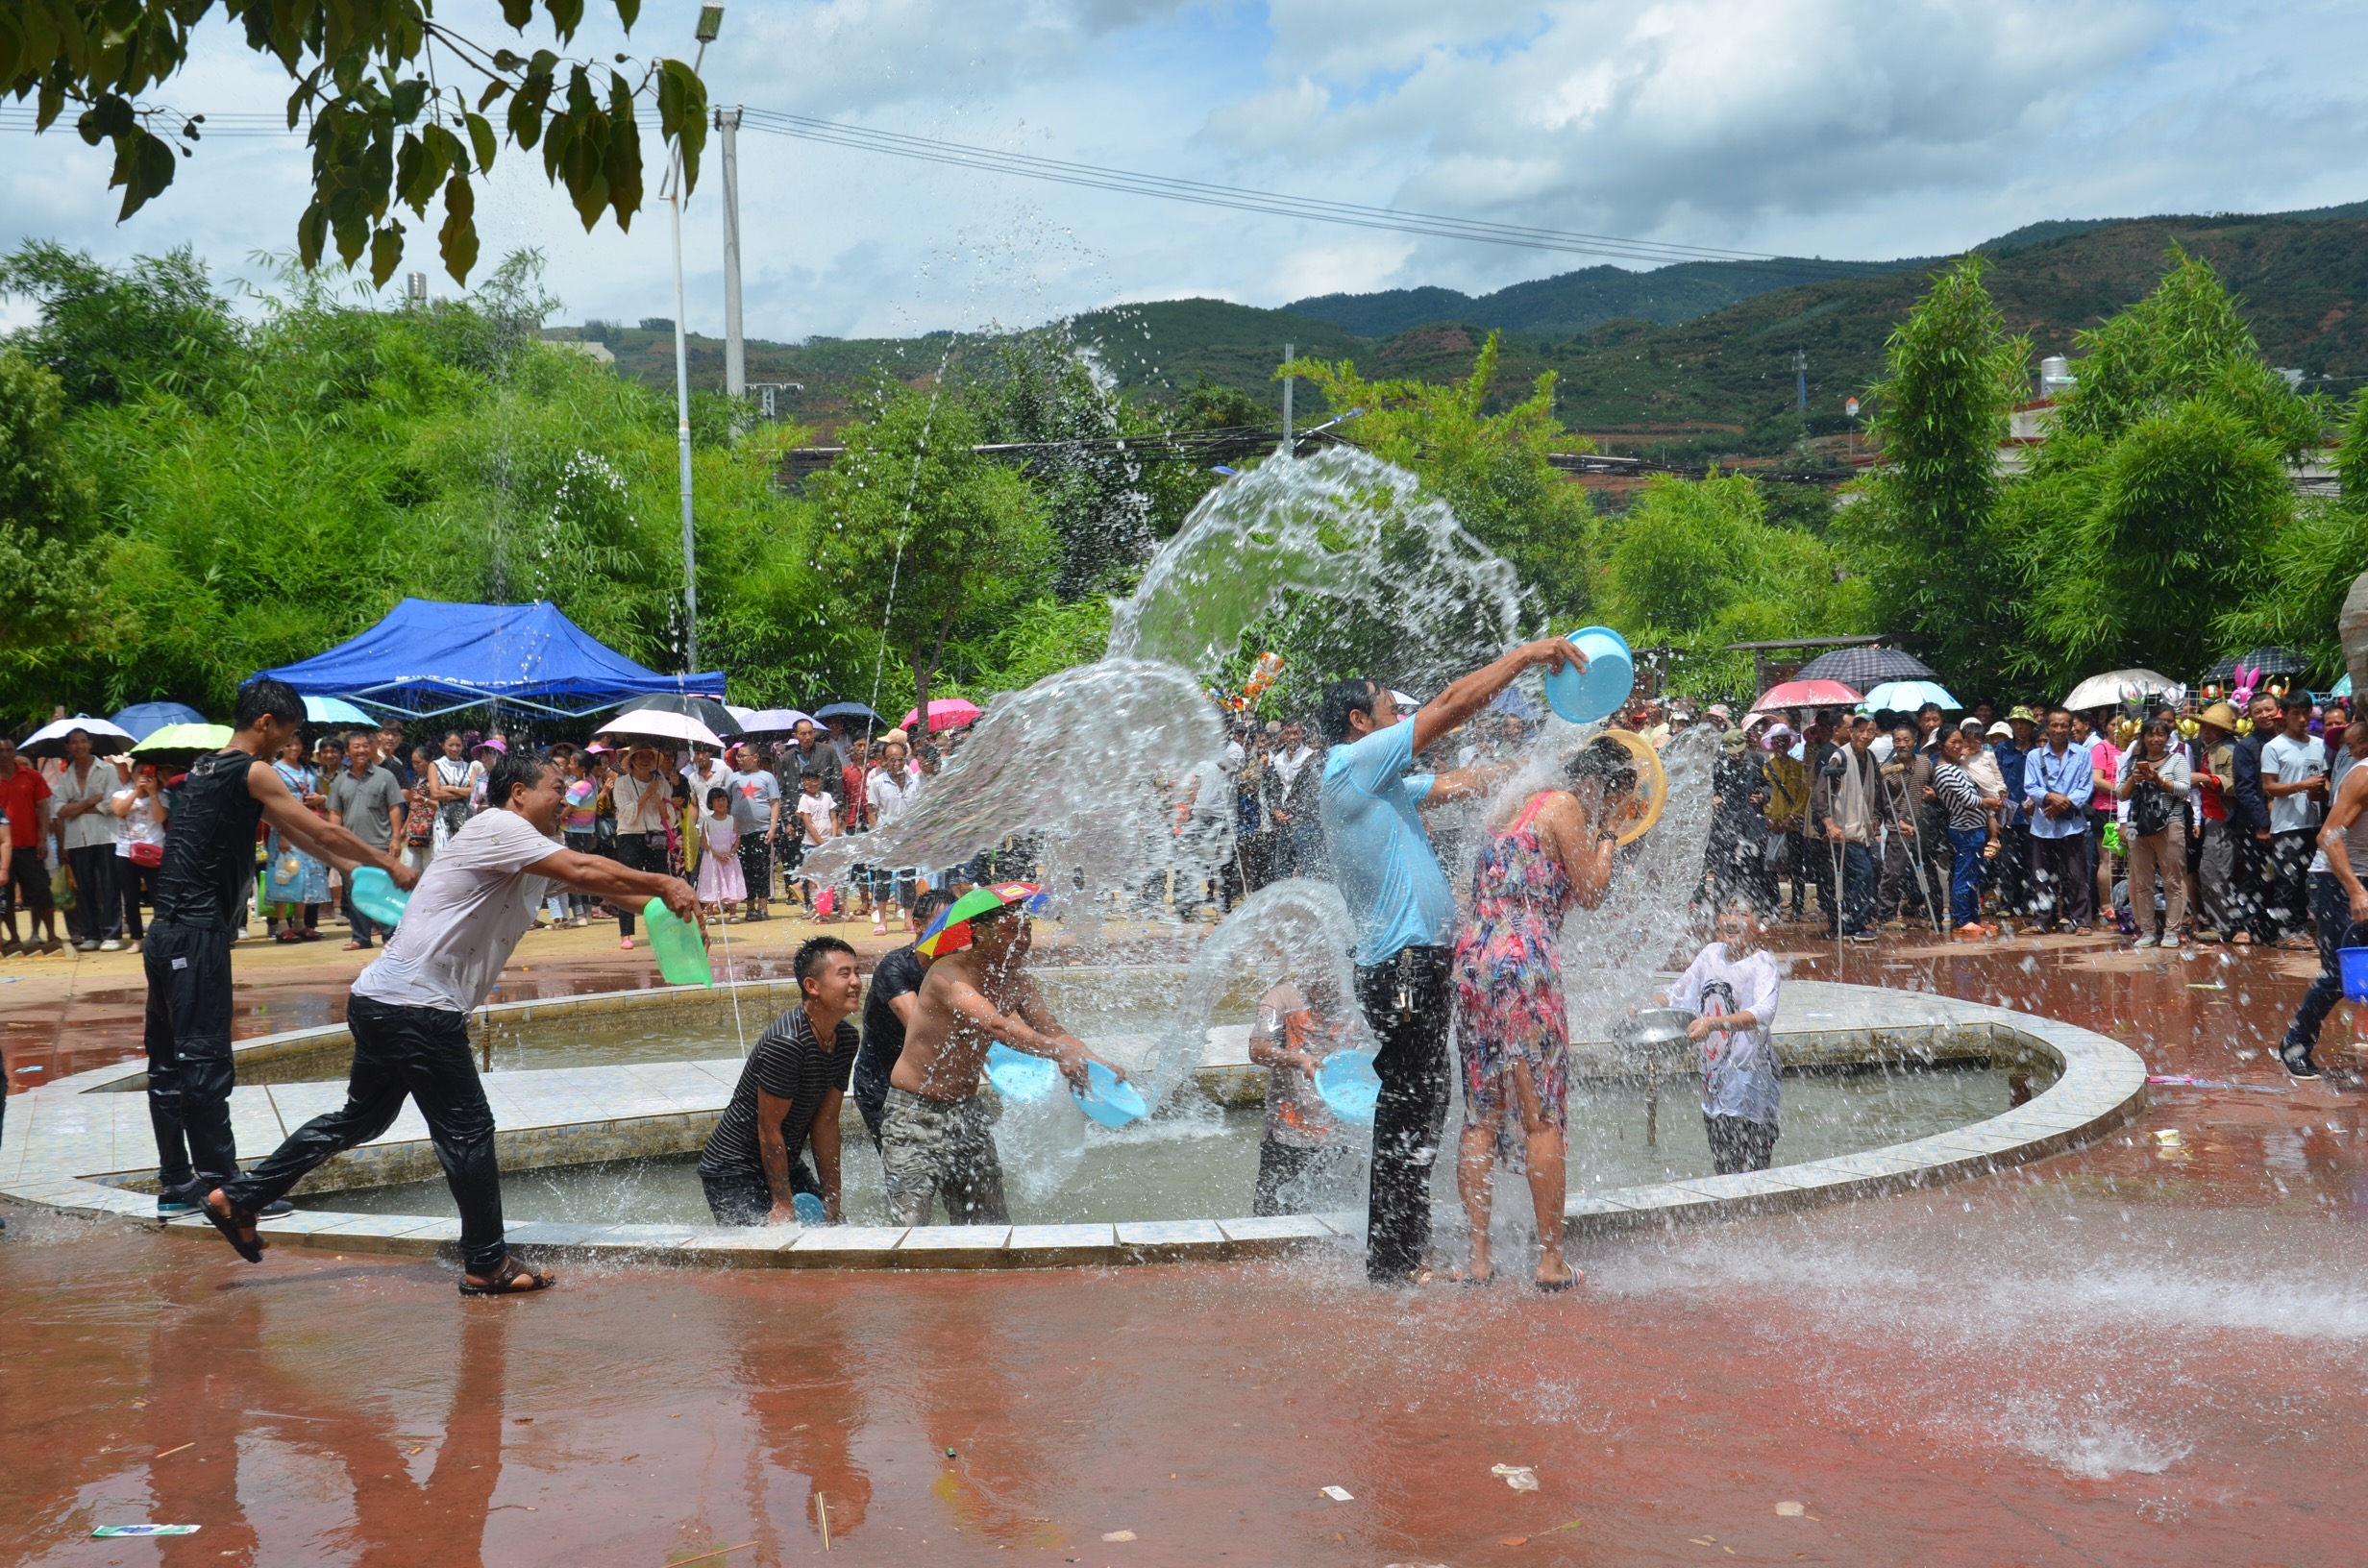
[185, 738]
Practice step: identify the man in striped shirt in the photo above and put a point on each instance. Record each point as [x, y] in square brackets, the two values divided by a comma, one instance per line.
[1973, 831]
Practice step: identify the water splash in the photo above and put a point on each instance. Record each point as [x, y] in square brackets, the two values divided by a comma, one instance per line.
[1073, 759]
[1401, 592]
[1297, 930]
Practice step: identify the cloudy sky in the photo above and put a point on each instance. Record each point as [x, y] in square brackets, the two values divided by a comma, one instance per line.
[1809, 127]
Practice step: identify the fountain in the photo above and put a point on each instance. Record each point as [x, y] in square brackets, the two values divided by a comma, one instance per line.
[1341, 560]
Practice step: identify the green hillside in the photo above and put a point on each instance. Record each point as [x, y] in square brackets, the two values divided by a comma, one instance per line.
[1717, 382]
[1577, 301]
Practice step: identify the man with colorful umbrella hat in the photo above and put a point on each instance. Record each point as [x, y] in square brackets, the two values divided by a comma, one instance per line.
[936, 1140]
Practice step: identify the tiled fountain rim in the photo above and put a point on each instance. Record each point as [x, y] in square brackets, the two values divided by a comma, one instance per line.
[2101, 1084]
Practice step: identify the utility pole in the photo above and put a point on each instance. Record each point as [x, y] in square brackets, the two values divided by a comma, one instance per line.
[735, 348]
[710, 23]
[1289, 450]
[1800, 379]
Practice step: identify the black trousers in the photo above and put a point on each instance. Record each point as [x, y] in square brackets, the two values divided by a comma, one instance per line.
[742, 1197]
[97, 915]
[756, 865]
[2331, 912]
[419, 1053]
[2285, 885]
[134, 883]
[187, 1033]
[2013, 871]
[1738, 1144]
[2064, 887]
[1406, 1000]
[1286, 1172]
[640, 852]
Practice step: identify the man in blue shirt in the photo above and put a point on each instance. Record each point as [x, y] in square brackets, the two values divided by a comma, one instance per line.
[2057, 785]
[1405, 918]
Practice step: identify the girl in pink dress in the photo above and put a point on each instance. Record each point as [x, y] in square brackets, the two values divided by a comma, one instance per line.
[720, 884]
[1513, 1023]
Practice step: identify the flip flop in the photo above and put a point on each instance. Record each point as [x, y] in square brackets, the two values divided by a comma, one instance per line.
[249, 1245]
[1555, 1287]
[504, 1280]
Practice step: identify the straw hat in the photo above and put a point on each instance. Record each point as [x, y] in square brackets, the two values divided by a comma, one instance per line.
[2220, 716]
[895, 737]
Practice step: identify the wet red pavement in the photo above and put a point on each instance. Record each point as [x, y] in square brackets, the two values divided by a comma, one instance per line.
[2145, 1352]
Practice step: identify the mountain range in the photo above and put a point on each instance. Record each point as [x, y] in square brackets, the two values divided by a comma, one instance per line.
[1696, 355]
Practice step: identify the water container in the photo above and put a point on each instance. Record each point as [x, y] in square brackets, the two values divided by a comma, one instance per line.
[811, 1209]
[2354, 963]
[1107, 1099]
[1348, 1085]
[1582, 697]
[1017, 1076]
[374, 892]
[681, 954]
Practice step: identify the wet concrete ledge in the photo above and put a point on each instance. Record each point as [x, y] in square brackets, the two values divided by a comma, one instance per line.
[77, 1147]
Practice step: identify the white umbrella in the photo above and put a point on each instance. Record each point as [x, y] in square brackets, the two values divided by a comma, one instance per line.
[1908, 696]
[49, 740]
[2114, 687]
[776, 721]
[655, 724]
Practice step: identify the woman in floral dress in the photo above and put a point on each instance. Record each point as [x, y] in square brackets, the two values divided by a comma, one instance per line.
[295, 883]
[1512, 1024]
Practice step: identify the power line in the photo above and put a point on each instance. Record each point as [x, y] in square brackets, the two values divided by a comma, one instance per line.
[1317, 209]
[1166, 187]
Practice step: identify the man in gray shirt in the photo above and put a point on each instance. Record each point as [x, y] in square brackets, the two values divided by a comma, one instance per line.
[366, 799]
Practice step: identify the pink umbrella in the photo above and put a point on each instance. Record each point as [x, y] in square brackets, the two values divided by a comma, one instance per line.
[1808, 693]
[945, 713]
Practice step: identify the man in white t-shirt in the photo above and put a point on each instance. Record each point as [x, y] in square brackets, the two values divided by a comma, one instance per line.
[2294, 781]
[408, 1014]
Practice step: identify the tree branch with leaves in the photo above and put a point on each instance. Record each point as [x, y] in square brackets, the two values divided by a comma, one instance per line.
[397, 106]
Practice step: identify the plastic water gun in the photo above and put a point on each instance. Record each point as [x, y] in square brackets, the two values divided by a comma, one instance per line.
[1261, 677]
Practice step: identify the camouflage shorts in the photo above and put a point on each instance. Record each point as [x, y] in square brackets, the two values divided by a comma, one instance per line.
[941, 1149]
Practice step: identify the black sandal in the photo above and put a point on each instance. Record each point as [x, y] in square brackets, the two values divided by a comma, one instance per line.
[237, 1226]
[504, 1280]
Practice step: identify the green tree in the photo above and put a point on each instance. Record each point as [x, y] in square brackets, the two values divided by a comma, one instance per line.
[2149, 511]
[105, 333]
[2309, 565]
[1035, 390]
[1490, 468]
[1694, 566]
[44, 507]
[279, 493]
[385, 89]
[1924, 533]
[920, 539]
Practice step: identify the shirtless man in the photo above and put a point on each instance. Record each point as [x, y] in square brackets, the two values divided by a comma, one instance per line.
[936, 1140]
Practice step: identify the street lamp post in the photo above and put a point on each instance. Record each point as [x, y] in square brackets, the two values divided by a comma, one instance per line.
[710, 23]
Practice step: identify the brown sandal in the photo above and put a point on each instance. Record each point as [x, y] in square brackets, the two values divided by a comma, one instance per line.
[505, 1280]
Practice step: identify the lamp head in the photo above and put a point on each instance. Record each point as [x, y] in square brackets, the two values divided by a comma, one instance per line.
[710, 23]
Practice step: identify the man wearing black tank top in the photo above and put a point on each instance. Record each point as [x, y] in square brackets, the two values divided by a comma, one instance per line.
[201, 899]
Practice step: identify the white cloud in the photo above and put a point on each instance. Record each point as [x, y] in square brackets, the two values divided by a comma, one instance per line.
[1816, 125]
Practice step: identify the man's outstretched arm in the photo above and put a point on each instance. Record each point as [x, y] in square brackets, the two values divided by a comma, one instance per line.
[1467, 694]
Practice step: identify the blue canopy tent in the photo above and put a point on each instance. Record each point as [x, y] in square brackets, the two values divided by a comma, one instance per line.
[428, 658]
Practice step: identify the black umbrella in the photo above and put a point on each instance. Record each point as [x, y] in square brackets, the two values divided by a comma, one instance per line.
[2270, 661]
[706, 709]
[1866, 668]
[846, 710]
